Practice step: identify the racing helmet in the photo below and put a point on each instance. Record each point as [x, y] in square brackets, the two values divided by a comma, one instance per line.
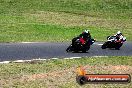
[86, 31]
[118, 33]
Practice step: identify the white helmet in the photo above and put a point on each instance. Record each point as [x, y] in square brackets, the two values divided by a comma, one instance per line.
[86, 31]
[118, 32]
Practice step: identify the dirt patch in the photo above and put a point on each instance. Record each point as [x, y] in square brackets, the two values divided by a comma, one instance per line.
[118, 69]
[123, 69]
[69, 74]
[68, 19]
[64, 72]
[55, 78]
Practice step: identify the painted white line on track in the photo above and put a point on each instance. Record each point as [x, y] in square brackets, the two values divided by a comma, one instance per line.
[18, 61]
[75, 57]
[5, 62]
[54, 58]
[22, 61]
[100, 44]
[66, 58]
[95, 43]
[99, 56]
[39, 59]
[27, 60]
[72, 58]
[27, 42]
[43, 59]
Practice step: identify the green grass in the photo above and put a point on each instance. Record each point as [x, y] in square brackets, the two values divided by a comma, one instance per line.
[61, 73]
[31, 20]
[16, 6]
[37, 32]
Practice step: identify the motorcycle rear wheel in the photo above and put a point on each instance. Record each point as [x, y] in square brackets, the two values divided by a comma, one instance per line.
[104, 46]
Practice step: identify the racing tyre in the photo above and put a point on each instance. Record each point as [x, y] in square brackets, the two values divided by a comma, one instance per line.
[104, 46]
[69, 49]
[84, 50]
[118, 46]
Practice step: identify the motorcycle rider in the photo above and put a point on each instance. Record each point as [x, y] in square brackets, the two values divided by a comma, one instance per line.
[115, 41]
[83, 37]
[81, 42]
[119, 37]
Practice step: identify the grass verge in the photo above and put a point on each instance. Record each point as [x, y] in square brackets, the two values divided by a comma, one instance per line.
[48, 33]
[61, 73]
[61, 20]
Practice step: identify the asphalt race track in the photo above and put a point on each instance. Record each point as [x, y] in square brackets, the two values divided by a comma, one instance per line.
[23, 51]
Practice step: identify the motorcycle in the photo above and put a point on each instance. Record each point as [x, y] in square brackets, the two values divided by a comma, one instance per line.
[78, 46]
[113, 43]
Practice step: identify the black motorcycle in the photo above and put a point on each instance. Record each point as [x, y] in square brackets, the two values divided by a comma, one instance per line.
[77, 46]
[111, 43]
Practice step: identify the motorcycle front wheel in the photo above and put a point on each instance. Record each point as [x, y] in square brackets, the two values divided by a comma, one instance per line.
[118, 46]
[69, 49]
[104, 46]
